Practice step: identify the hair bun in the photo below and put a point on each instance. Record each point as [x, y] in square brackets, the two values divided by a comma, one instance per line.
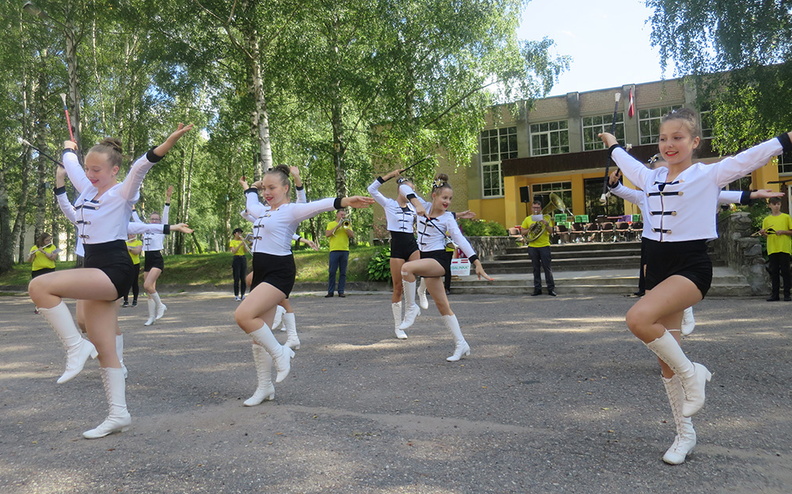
[113, 143]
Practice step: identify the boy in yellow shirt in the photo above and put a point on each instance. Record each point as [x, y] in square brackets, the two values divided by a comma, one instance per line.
[777, 227]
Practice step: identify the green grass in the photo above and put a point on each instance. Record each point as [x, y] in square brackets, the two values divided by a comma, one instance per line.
[215, 269]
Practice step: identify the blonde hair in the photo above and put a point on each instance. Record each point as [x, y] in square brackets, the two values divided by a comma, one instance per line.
[110, 147]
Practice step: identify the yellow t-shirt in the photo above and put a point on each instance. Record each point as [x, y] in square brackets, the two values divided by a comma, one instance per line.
[41, 261]
[544, 238]
[233, 244]
[778, 243]
[134, 243]
[339, 241]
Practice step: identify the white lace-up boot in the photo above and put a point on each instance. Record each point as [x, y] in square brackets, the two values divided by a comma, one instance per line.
[281, 355]
[397, 319]
[685, 439]
[693, 376]
[688, 322]
[411, 309]
[423, 302]
[152, 311]
[265, 389]
[292, 340]
[118, 419]
[277, 323]
[161, 308]
[461, 347]
[78, 349]
[120, 352]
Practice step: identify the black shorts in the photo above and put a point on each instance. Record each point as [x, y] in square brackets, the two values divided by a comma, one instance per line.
[278, 271]
[112, 258]
[402, 245]
[442, 256]
[41, 271]
[154, 260]
[688, 259]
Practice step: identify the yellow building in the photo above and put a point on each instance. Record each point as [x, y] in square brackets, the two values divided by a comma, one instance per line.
[525, 153]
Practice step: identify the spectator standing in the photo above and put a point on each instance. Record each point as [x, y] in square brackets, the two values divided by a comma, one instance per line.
[777, 228]
[539, 249]
[338, 233]
[135, 248]
[42, 255]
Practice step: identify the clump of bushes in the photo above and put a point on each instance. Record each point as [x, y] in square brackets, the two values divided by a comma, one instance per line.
[482, 228]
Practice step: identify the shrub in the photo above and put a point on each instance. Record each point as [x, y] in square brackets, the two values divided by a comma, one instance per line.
[482, 228]
[379, 265]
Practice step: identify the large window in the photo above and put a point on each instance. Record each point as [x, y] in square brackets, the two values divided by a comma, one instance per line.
[541, 192]
[496, 146]
[707, 124]
[649, 123]
[601, 123]
[549, 138]
[785, 164]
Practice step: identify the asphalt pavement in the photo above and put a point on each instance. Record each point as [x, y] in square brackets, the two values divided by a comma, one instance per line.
[556, 397]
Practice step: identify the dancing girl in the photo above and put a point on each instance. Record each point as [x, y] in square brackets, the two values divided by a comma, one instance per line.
[274, 270]
[154, 264]
[682, 205]
[400, 217]
[436, 228]
[103, 209]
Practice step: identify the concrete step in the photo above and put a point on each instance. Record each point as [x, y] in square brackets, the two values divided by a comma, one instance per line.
[617, 281]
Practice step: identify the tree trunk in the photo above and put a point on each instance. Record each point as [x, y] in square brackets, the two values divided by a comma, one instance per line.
[259, 116]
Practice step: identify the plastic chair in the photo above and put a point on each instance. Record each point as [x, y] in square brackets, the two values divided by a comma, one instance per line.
[622, 231]
[578, 232]
[592, 232]
[607, 232]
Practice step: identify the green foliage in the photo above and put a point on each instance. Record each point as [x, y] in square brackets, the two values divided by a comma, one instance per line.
[379, 266]
[482, 228]
[750, 39]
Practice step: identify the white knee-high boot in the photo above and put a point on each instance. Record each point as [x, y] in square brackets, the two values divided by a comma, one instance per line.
[292, 340]
[688, 321]
[152, 311]
[78, 349]
[120, 352]
[685, 439]
[281, 355]
[397, 319]
[422, 300]
[693, 376]
[411, 309]
[118, 419]
[278, 321]
[161, 308]
[461, 347]
[265, 389]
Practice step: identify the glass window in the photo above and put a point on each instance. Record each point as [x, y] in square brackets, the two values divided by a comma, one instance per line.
[649, 123]
[549, 138]
[601, 123]
[707, 124]
[541, 192]
[496, 146]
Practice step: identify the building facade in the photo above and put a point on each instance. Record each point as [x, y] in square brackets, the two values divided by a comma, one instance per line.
[528, 151]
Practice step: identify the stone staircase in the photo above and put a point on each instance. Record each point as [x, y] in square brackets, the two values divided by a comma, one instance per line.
[584, 269]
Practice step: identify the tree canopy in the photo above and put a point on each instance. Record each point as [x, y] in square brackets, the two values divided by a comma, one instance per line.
[332, 87]
[749, 40]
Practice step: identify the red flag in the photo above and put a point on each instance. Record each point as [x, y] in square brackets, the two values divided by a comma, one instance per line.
[631, 108]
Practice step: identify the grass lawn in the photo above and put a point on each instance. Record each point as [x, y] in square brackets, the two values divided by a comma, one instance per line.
[215, 269]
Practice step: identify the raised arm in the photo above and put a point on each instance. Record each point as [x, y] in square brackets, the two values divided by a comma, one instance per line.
[73, 167]
[60, 194]
[131, 184]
